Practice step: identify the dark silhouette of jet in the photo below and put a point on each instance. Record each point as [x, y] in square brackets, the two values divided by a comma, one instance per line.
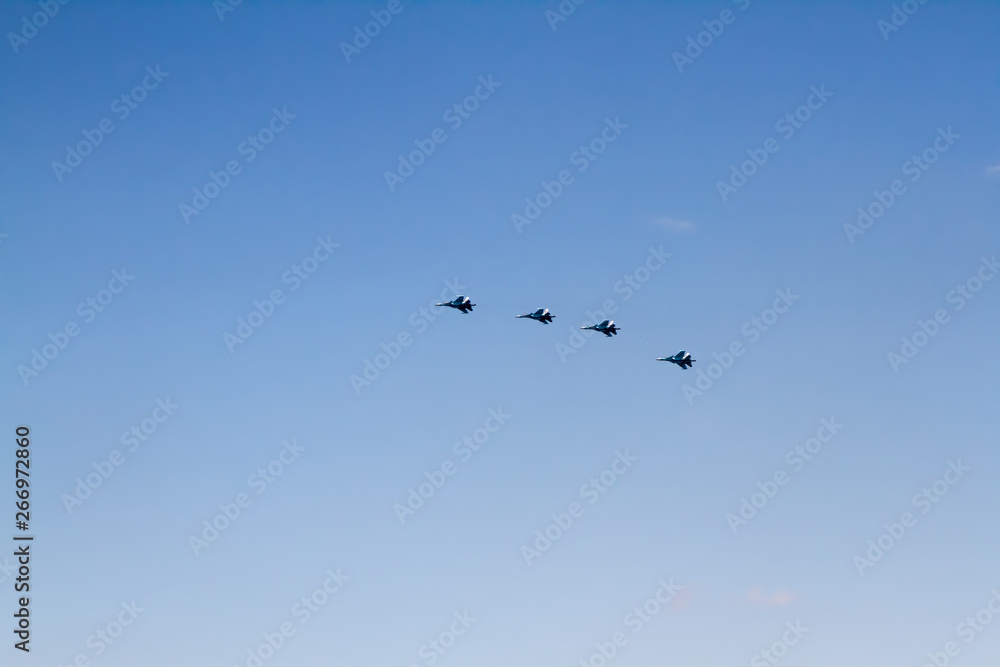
[682, 359]
[462, 303]
[541, 315]
[607, 327]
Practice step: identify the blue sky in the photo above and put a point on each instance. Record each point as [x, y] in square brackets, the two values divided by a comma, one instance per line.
[314, 201]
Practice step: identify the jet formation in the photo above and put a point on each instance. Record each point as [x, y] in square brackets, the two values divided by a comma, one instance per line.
[607, 327]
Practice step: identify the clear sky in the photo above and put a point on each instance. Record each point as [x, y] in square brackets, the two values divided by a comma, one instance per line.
[166, 169]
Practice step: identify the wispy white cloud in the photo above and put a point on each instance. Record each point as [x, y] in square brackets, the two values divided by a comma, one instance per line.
[779, 598]
[993, 170]
[674, 225]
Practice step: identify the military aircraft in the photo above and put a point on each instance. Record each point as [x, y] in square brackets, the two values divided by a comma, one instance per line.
[541, 315]
[607, 327]
[462, 303]
[682, 359]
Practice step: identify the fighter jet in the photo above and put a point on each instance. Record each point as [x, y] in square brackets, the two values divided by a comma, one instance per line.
[462, 303]
[682, 359]
[541, 315]
[607, 327]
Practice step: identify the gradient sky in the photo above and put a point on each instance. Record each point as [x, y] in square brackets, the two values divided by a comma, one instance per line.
[654, 187]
